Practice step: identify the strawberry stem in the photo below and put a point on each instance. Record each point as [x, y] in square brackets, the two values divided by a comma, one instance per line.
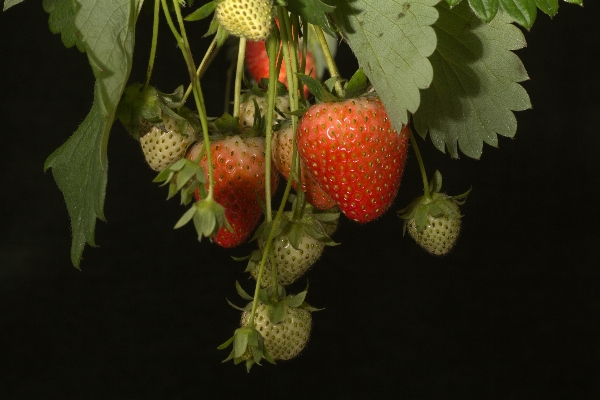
[154, 42]
[426, 194]
[183, 43]
[239, 73]
[208, 56]
[329, 59]
[291, 64]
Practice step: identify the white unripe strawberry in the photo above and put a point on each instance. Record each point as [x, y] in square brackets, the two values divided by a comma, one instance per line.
[251, 19]
[286, 339]
[282, 103]
[164, 145]
[440, 233]
[291, 263]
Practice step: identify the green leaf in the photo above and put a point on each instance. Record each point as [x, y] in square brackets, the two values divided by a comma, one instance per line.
[314, 12]
[522, 11]
[452, 3]
[9, 3]
[550, 7]
[80, 165]
[578, 2]
[474, 91]
[62, 20]
[484, 9]
[202, 12]
[392, 40]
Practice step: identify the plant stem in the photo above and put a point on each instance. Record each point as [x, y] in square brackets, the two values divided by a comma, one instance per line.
[426, 194]
[207, 56]
[239, 73]
[329, 59]
[197, 90]
[154, 42]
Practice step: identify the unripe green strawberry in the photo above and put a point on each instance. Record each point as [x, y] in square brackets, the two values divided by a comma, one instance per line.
[282, 103]
[439, 234]
[433, 220]
[251, 19]
[286, 339]
[291, 263]
[163, 144]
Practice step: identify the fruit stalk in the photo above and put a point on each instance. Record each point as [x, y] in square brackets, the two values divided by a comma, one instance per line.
[426, 193]
[239, 73]
[154, 42]
[209, 55]
[197, 90]
[329, 59]
[291, 64]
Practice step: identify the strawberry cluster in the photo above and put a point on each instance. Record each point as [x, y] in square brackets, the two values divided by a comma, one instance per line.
[338, 154]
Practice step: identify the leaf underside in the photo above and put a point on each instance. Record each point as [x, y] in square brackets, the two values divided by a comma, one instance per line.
[391, 40]
[474, 90]
[106, 30]
[9, 3]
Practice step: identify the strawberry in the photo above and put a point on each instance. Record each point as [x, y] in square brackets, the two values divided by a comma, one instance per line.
[257, 64]
[286, 339]
[291, 260]
[239, 173]
[282, 103]
[434, 220]
[351, 149]
[282, 146]
[439, 234]
[251, 19]
[163, 144]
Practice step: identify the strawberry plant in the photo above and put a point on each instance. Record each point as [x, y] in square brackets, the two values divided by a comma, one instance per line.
[433, 73]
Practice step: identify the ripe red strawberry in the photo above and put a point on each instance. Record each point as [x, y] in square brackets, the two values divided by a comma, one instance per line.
[251, 19]
[257, 64]
[286, 339]
[239, 174]
[353, 152]
[281, 147]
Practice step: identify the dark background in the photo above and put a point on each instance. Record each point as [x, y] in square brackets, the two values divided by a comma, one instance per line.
[511, 313]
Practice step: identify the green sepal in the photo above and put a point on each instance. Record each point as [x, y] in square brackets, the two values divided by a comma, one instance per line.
[436, 205]
[208, 217]
[142, 106]
[227, 124]
[203, 12]
[184, 176]
[317, 89]
[357, 85]
[242, 292]
[452, 3]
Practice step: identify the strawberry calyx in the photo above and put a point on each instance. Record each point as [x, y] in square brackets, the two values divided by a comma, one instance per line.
[436, 205]
[208, 217]
[142, 107]
[324, 92]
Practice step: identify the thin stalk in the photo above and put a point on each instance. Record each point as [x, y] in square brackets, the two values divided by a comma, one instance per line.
[290, 50]
[239, 74]
[413, 141]
[154, 42]
[197, 90]
[208, 56]
[329, 59]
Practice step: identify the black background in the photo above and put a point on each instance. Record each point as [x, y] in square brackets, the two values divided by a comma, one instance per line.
[511, 313]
